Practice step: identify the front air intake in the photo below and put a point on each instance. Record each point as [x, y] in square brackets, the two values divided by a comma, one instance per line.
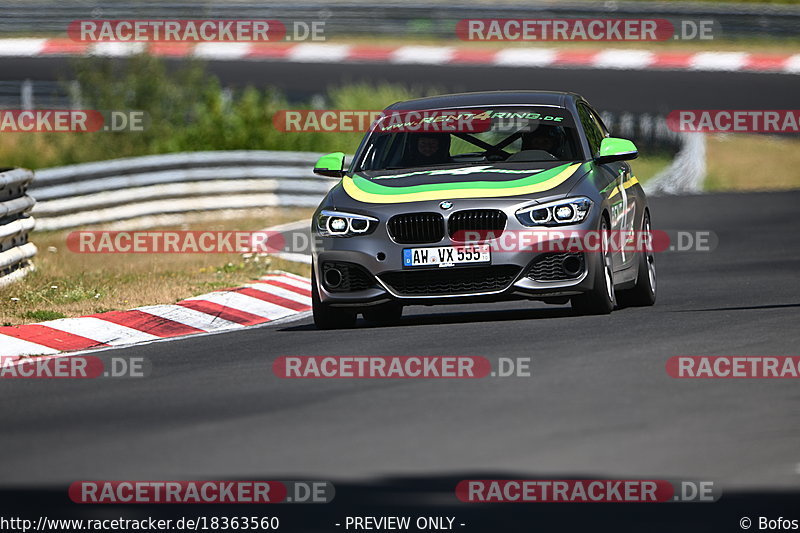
[476, 224]
[416, 228]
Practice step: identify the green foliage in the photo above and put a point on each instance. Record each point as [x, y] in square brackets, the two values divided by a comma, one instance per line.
[188, 110]
[42, 315]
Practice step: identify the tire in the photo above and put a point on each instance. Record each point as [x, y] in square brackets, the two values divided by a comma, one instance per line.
[325, 316]
[644, 292]
[601, 299]
[384, 314]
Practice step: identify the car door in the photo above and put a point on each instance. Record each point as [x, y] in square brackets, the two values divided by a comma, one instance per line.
[617, 176]
[629, 203]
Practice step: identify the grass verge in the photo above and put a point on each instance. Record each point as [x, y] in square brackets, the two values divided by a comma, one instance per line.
[740, 162]
[645, 167]
[68, 284]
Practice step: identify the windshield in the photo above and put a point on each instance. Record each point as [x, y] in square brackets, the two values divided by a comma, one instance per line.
[470, 136]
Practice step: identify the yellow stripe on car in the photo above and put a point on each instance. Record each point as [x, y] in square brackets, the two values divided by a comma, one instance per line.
[448, 194]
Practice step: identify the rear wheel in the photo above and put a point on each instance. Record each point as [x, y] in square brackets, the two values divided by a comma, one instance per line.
[325, 316]
[383, 314]
[600, 300]
[644, 292]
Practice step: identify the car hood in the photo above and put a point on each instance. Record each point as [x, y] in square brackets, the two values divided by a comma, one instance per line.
[453, 182]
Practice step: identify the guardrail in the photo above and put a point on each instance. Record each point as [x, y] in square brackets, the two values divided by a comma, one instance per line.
[649, 131]
[397, 18]
[38, 94]
[123, 189]
[15, 224]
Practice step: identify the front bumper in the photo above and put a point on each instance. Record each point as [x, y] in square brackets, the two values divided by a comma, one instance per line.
[509, 276]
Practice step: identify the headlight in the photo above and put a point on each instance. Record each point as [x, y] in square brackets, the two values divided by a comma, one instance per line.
[568, 211]
[338, 224]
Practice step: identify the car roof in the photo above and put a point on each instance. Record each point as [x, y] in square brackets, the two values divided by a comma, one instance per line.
[474, 99]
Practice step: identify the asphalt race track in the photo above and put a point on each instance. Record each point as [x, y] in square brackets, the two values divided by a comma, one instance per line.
[598, 404]
[609, 90]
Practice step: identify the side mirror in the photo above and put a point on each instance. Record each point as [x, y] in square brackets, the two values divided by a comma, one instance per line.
[331, 165]
[614, 149]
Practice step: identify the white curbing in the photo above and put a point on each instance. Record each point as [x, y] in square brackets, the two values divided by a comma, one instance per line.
[214, 312]
[516, 57]
[101, 330]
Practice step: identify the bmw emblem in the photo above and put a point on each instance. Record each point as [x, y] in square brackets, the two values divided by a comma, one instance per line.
[447, 204]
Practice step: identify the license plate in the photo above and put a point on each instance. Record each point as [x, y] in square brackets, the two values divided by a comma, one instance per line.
[446, 256]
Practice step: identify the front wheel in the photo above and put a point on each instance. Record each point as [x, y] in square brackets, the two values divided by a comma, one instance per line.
[644, 292]
[325, 316]
[601, 299]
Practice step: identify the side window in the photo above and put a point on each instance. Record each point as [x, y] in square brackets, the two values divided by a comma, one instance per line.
[594, 132]
[599, 122]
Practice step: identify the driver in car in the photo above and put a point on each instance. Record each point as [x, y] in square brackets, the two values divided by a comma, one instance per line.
[427, 149]
[546, 138]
